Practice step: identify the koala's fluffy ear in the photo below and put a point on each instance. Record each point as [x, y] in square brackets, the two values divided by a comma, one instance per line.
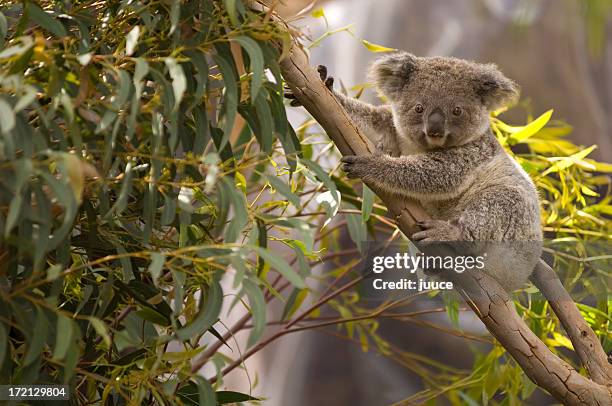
[494, 88]
[392, 72]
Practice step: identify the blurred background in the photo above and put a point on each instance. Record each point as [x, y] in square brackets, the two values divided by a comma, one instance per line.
[560, 53]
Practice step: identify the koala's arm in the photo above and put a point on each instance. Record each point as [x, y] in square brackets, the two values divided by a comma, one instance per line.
[433, 175]
[374, 121]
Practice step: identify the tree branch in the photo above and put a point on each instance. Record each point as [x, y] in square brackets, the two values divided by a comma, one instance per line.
[483, 294]
[586, 344]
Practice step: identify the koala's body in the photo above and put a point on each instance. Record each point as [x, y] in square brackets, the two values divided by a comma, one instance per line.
[438, 148]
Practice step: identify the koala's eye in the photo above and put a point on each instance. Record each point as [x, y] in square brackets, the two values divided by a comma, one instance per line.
[457, 111]
[419, 108]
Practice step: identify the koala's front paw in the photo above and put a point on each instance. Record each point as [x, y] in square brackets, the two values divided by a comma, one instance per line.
[356, 166]
[328, 81]
[437, 230]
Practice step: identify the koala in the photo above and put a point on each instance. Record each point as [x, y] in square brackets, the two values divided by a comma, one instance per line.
[436, 146]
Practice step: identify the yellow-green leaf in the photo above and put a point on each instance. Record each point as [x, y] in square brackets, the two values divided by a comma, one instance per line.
[318, 13]
[375, 47]
[532, 128]
[565, 162]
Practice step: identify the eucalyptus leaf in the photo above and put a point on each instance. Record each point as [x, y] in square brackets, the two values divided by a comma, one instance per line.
[278, 263]
[45, 20]
[207, 315]
[258, 311]
[257, 63]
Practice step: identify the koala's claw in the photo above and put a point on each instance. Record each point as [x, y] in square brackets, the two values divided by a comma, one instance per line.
[329, 81]
[351, 166]
[437, 230]
[322, 69]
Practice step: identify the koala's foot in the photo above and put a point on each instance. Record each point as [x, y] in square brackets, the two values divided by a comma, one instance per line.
[328, 81]
[437, 230]
[356, 166]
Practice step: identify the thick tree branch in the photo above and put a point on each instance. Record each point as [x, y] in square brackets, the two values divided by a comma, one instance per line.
[586, 344]
[484, 295]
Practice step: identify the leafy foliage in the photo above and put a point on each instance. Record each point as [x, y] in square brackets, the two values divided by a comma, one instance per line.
[150, 180]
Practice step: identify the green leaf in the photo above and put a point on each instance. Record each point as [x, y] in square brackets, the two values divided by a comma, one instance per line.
[258, 311]
[231, 96]
[294, 302]
[202, 130]
[230, 7]
[175, 14]
[207, 315]
[206, 394]
[65, 196]
[356, 229]
[3, 31]
[376, 48]
[179, 82]
[225, 397]
[45, 20]
[266, 122]
[157, 263]
[277, 263]
[101, 329]
[13, 214]
[153, 316]
[140, 72]
[523, 133]
[7, 116]
[241, 215]
[367, 203]
[35, 346]
[452, 309]
[64, 339]
[284, 189]
[23, 45]
[257, 63]
[199, 61]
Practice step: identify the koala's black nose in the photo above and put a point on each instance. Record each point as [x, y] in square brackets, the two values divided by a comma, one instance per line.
[435, 124]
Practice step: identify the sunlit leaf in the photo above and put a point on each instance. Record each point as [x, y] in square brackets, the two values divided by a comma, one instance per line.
[376, 48]
[520, 134]
[131, 40]
[101, 329]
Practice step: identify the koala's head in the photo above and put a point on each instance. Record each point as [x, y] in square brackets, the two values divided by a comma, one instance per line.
[440, 102]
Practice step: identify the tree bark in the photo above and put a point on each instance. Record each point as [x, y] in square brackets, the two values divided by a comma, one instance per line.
[484, 295]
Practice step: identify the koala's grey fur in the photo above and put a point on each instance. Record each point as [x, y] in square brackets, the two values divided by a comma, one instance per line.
[448, 159]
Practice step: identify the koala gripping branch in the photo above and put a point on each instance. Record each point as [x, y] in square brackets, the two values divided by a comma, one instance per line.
[483, 294]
